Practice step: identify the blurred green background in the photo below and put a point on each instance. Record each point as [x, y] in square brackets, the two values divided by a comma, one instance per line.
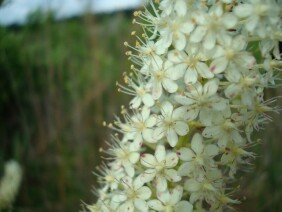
[57, 82]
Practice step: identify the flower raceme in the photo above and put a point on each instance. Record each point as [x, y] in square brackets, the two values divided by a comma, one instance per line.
[198, 77]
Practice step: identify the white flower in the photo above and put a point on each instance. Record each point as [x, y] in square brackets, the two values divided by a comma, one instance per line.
[126, 154]
[203, 101]
[212, 26]
[134, 196]
[175, 32]
[168, 6]
[223, 131]
[191, 63]
[109, 177]
[161, 77]
[198, 158]
[142, 124]
[234, 155]
[242, 84]
[171, 123]
[100, 206]
[204, 188]
[171, 201]
[160, 167]
[262, 16]
[196, 67]
[231, 55]
[271, 45]
[140, 91]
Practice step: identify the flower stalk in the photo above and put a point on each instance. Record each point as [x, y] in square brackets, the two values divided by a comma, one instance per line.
[198, 95]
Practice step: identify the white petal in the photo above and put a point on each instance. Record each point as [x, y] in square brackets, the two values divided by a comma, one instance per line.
[144, 193]
[206, 116]
[239, 43]
[183, 206]
[180, 8]
[181, 128]
[145, 113]
[219, 104]
[148, 175]
[204, 70]
[157, 90]
[158, 133]
[211, 150]
[138, 183]
[211, 131]
[171, 160]
[192, 185]
[209, 40]
[160, 153]
[161, 183]
[191, 76]
[148, 160]
[175, 56]
[252, 23]
[210, 88]
[243, 10]
[194, 197]
[246, 60]
[151, 121]
[218, 65]
[157, 63]
[187, 27]
[216, 10]
[247, 98]
[198, 34]
[129, 169]
[166, 38]
[192, 114]
[141, 205]
[184, 100]
[185, 169]
[135, 102]
[229, 20]
[169, 85]
[179, 41]
[176, 195]
[232, 90]
[172, 137]
[156, 205]
[180, 113]
[171, 175]
[197, 143]
[148, 136]
[185, 154]
[127, 206]
[166, 109]
[177, 71]
[134, 157]
[164, 196]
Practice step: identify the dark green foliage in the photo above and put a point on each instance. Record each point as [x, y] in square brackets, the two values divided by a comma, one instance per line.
[57, 86]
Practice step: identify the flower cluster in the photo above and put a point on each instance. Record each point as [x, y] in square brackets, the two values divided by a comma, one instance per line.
[198, 77]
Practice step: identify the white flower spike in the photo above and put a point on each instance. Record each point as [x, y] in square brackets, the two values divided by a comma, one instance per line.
[199, 74]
